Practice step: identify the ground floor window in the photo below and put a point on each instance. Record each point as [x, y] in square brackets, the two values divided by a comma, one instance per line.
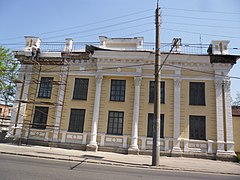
[115, 122]
[150, 125]
[76, 122]
[40, 117]
[197, 127]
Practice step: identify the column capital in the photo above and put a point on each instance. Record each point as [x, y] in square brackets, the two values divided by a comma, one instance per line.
[227, 84]
[177, 82]
[138, 80]
[218, 83]
[99, 78]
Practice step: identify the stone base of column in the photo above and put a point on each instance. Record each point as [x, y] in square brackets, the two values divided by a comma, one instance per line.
[176, 146]
[133, 150]
[92, 147]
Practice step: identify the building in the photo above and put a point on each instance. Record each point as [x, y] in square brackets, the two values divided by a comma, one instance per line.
[5, 115]
[236, 127]
[101, 97]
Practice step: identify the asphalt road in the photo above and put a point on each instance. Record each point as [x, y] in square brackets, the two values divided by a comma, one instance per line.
[26, 168]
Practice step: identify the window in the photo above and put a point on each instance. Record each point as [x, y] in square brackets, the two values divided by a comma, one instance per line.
[76, 122]
[150, 125]
[197, 127]
[118, 90]
[40, 117]
[197, 93]
[115, 122]
[151, 92]
[80, 89]
[0, 111]
[45, 89]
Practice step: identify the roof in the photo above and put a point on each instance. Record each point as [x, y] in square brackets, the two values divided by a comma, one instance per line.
[236, 110]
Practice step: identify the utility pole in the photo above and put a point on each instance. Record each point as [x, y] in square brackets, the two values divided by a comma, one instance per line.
[157, 99]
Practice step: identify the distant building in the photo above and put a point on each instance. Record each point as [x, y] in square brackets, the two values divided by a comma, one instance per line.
[102, 97]
[236, 127]
[5, 115]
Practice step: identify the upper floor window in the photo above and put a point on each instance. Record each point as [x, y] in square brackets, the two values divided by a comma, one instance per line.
[115, 122]
[80, 89]
[118, 88]
[197, 93]
[197, 128]
[150, 125]
[151, 91]
[76, 122]
[40, 117]
[45, 88]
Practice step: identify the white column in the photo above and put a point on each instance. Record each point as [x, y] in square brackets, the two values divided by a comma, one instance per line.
[228, 117]
[26, 68]
[60, 99]
[134, 143]
[219, 115]
[93, 141]
[177, 102]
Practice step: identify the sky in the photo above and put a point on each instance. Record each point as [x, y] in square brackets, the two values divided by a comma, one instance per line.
[195, 21]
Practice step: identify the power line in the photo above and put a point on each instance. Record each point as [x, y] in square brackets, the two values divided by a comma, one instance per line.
[191, 32]
[210, 19]
[204, 11]
[84, 25]
[103, 27]
[205, 25]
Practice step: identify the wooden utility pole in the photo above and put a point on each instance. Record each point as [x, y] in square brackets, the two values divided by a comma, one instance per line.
[157, 101]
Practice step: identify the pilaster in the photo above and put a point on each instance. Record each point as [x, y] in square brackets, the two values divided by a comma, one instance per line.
[219, 115]
[228, 117]
[60, 100]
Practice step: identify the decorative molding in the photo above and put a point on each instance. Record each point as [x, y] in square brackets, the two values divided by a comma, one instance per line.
[177, 83]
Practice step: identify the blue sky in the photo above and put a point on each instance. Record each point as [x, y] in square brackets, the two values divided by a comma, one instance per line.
[85, 20]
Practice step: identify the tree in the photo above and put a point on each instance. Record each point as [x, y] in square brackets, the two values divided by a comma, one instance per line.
[236, 102]
[8, 74]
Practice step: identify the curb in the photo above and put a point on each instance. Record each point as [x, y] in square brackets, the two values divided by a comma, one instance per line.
[122, 164]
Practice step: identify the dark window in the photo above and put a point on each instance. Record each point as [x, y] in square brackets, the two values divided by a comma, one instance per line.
[0, 111]
[118, 90]
[80, 89]
[151, 92]
[40, 117]
[197, 127]
[76, 122]
[45, 88]
[197, 93]
[115, 122]
[150, 125]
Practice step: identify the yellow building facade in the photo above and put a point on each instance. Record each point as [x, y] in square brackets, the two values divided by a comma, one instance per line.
[102, 98]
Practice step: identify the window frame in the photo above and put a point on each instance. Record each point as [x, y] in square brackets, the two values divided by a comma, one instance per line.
[197, 127]
[40, 117]
[118, 90]
[150, 125]
[45, 88]
[197, 94]
[76, 120]
[113, 118]
[151, 91]
[80, 91]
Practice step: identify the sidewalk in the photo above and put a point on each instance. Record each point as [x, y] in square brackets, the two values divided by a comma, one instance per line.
[141, 161]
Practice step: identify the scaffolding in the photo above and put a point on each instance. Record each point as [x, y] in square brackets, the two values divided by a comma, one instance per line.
[38, 64]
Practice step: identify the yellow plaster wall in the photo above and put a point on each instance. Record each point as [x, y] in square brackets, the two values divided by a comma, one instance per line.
[33, 94]
[106, 105]
[78, 104]
[236, 133]
[146, 107]
[209, 110]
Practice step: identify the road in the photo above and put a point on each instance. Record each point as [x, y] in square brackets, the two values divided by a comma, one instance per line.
[27, 168]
